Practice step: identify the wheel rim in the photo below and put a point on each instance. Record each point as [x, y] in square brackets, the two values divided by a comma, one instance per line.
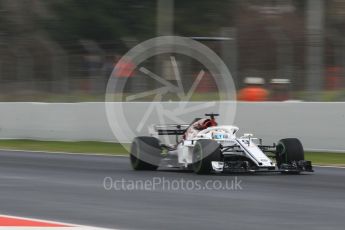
[135, 154]
[198, 154]
[281, 151]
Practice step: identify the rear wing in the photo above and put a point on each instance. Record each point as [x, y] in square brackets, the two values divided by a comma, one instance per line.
[172, 129]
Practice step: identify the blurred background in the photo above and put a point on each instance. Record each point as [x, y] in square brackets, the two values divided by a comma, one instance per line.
[65, 50]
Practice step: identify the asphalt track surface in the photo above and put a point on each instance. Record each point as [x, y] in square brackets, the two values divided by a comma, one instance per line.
[70, 188]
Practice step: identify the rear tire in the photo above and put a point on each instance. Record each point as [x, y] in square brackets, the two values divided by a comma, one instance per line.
[145, 153]
[204, 152]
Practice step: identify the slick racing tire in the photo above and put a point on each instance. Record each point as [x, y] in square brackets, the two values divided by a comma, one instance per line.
[145, 153]
[204, 152]
[289, 150]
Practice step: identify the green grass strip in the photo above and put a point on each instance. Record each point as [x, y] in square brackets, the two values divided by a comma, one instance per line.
[65, 146]
[328, 158]
[321, 158]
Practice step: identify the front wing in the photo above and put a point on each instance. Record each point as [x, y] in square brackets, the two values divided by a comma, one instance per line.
[243, 166]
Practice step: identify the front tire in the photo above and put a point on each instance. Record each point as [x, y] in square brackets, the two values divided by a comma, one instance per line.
[289, 150]
[204, 152]
[145, 153]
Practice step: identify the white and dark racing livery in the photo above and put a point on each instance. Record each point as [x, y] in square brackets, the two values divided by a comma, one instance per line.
[205, 147]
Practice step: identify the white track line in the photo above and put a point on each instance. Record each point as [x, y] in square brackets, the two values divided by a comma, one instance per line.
[330, 166]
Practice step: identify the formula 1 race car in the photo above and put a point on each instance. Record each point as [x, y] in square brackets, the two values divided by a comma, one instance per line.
[205, 147]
